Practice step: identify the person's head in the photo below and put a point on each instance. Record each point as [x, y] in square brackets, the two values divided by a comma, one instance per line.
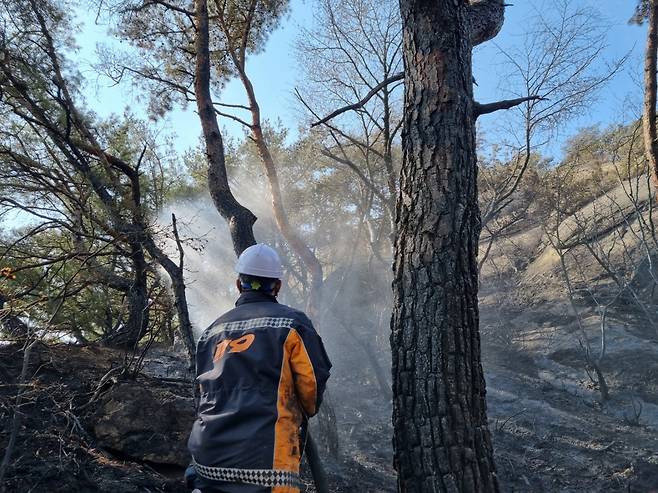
[265, 285]
[259, 269]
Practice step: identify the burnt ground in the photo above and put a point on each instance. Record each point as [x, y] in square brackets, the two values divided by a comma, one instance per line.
[548, 439]
[58, 449]
[55, 450]
[550, 430]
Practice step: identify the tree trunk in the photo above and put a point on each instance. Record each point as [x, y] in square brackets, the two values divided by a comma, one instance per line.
[441, 438]
[12, 326]
[175, 273]
[240, 219]
[294, 240]
[131, 332]
[649, 116]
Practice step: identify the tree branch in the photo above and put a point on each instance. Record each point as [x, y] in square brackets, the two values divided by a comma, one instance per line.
[360, 104]
[121, 165]
[166, 5]
[361, 145]
[506, 104]
[367, 182]
[234, 118]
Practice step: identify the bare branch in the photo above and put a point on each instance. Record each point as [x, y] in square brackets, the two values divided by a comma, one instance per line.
[506, 104]
[360, 104]
[366, 181]
[234, 118]
[166, 5]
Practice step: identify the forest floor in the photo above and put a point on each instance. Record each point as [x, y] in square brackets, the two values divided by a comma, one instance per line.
[550, 430]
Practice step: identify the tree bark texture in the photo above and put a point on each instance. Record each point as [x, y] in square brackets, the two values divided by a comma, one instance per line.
[441, 438]
[649, 116]
[240, 219]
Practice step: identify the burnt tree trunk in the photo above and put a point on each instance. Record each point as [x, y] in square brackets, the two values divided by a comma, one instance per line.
[136, 326]
[441, 438]
[240, 219]
[649, 115]
[133, 330]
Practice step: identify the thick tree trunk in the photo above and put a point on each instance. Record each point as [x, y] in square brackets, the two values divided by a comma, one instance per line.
[649, 116]
[240, 219]
[441, 438]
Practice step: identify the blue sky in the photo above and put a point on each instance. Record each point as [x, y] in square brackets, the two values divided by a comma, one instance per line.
[274, 72]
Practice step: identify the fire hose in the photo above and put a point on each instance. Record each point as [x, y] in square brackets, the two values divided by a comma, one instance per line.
[313, 458]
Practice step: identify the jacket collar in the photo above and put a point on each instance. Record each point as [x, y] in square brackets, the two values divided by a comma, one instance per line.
[255, 297]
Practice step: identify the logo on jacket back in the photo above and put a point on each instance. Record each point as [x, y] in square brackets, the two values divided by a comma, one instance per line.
[233, 346]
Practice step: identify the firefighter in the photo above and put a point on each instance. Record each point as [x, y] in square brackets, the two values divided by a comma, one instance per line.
[262, 369]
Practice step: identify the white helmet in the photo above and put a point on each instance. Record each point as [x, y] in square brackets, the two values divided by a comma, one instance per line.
[261, 261]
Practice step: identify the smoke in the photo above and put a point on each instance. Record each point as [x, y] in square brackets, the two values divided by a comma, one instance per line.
[355, 299]
[355, 311]
[209, 255]
[209, 259]
[357, 285]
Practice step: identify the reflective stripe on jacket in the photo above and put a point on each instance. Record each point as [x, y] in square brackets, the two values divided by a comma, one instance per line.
[261, 367]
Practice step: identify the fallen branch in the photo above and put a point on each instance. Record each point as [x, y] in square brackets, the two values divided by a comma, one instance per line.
[484, 109]
[501, 428]
[101, 388]
[360, 104]
[606, 448]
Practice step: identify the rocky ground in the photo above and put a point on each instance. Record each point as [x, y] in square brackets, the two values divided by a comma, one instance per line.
[66, 441]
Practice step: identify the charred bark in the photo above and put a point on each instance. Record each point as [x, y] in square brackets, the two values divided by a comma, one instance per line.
[129, 334]
[441, 438]
[649, 115]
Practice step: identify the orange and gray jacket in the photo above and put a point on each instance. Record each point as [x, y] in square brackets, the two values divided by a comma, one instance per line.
[262, 370]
